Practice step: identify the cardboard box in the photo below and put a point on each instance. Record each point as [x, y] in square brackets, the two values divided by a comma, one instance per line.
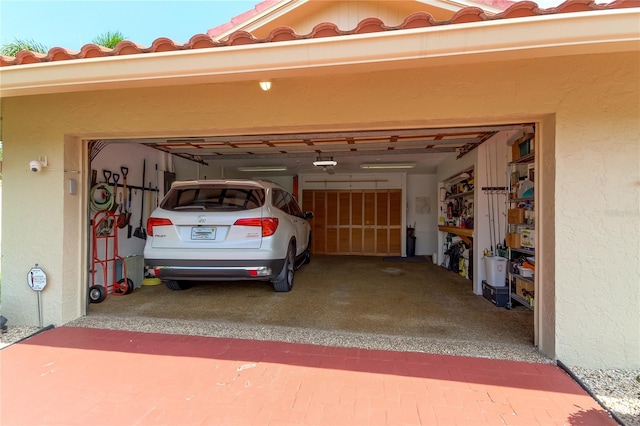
[524, 288]
[515, 215]
[515, 152]
[527, 238]
[513, 240]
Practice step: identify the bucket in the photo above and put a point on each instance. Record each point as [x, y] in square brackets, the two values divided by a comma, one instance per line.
[496, 270]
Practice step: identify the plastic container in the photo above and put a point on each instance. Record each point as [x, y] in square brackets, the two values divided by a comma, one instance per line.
[499, 296]
[525, 272]
[496, 270]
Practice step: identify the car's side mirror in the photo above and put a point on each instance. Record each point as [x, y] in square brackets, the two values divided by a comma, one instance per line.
[308, 215]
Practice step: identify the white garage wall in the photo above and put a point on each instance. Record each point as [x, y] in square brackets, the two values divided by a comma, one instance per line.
[112, 157]
[185, 169]
[190, 170]
[422, 211]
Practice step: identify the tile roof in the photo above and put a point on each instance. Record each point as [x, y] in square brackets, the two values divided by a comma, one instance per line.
[246, 16]
[242, 17]
[325, 29]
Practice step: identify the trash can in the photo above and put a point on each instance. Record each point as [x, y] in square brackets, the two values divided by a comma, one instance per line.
[496, 270]
[411, 241]
[411, 246]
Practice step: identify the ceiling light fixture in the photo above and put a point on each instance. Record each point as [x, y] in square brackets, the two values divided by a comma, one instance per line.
[265, 85]
[324, 162]
[387, 165]
[262, 168]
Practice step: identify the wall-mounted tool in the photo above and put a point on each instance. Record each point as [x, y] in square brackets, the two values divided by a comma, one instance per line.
[140, 231]
[124, 206]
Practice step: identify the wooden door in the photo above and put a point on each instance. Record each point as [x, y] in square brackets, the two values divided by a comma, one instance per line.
[364, 222]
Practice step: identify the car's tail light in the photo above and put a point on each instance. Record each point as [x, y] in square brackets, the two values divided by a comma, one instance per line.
[156, 221]
[268, 224]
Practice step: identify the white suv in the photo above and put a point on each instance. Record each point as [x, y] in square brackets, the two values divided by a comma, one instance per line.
[221, 230]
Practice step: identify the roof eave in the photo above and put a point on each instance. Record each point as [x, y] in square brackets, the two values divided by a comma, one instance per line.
[456, 5]
[284, 7]
[520, 38]
[275, 11]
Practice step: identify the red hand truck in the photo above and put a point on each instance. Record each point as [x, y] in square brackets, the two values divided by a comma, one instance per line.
[105, 236]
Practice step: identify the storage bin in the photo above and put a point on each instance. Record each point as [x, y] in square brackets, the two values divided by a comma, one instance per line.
[525, 272]
[499, 296]
[496, 270]
[135, 269]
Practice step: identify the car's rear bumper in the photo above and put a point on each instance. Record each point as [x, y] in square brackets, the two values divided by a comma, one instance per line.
[215, 270]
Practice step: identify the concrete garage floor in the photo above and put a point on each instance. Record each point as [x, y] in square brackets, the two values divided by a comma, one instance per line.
[338, 301]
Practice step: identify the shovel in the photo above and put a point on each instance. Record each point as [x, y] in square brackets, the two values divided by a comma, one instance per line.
[125, 211]
[140, 231]
[129, 226]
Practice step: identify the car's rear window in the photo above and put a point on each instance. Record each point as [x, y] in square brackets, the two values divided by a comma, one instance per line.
[213, 198]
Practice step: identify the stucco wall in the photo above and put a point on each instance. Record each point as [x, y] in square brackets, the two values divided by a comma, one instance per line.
[597, 219]
[594, 99]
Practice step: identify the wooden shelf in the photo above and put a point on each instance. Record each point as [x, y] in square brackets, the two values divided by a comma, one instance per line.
[464, 194]
[460, 176]
[464, 233]
[522, 300]
[528, 279]
[529, 158]
[524, 250]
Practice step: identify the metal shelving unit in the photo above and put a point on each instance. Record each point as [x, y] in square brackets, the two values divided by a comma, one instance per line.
[523, 220]
[456, 204]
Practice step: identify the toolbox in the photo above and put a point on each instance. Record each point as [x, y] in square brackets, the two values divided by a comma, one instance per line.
[499, 296]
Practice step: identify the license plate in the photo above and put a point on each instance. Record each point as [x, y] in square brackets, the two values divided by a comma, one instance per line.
[203, 233]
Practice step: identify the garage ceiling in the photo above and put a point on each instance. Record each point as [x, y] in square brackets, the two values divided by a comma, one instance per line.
[425, 147]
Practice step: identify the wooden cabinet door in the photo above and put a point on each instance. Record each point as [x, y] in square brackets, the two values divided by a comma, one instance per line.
[365, 222]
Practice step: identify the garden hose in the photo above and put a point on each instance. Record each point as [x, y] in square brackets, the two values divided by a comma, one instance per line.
[107, 195]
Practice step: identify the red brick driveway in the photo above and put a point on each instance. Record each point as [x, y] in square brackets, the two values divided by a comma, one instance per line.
[83, 376]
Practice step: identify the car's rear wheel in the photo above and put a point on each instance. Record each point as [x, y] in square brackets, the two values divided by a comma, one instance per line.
[176, 285]
[284, 281]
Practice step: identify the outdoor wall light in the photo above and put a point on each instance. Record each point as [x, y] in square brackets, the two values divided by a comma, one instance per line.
[265, 85]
